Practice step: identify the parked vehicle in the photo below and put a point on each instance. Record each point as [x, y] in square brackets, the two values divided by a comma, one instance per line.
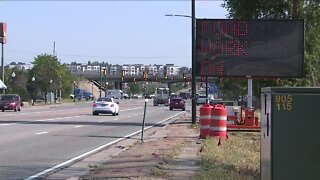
[161, 96]
[105, 105]
[10, 102]
[177, 103]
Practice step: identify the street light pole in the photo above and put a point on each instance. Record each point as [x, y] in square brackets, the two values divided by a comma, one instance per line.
[13, 75]
[74, 91]
[193, 51]
[193, 88]
[34, 89]
[2, 66]
[50, 91]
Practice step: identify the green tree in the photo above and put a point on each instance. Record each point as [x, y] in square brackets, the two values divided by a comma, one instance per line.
[47, 67]
[17, 84]
[135, 88]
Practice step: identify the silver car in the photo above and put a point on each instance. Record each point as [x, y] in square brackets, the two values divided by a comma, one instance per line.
[105, 105]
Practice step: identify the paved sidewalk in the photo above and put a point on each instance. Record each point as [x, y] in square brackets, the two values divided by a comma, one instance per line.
[168, 152]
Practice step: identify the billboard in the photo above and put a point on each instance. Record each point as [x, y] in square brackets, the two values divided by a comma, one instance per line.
[255, 48]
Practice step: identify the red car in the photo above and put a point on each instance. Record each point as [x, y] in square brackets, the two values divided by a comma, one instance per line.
[177, 103]
[10, 102]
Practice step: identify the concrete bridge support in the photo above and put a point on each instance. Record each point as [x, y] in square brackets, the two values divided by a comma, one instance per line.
[169, 86]
[116, 85]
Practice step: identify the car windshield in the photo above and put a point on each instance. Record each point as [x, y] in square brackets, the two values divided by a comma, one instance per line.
[8, 98]
[176, 100]
[104, 99]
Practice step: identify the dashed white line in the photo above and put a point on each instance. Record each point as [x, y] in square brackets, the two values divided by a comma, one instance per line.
[78, 126]
[42, 133]
[9, 124]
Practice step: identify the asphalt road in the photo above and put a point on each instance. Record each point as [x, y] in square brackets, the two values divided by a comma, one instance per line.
[39, 139]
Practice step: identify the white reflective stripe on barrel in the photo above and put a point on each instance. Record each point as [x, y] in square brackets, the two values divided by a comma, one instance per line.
[205, 127]
[218, 128]
[205, 117]
[219, 117]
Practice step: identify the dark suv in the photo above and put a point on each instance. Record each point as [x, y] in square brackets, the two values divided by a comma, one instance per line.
[10, 102]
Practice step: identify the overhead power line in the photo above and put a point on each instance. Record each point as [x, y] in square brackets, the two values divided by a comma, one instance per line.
[102, 56]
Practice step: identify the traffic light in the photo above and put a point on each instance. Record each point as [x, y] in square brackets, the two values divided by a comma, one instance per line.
[184, 76]
[145, 75]
[165, 75]
[123, 73]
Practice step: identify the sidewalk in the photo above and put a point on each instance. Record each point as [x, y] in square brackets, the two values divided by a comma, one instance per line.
[168, 152]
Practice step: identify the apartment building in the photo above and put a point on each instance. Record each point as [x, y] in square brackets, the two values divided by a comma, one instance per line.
[129, 69]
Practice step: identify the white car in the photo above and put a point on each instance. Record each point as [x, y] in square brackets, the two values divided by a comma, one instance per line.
[105, 105]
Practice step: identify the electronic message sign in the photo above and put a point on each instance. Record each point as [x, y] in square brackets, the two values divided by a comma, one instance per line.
[256, 48]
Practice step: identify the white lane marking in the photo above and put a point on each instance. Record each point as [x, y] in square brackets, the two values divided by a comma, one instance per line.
[78, 126]
[101, 122]
[38, 112]
[9, 124]
[42, 133]
[131, 109]
[82, 156]
[116, 119]
[57, 118]
[128, 116]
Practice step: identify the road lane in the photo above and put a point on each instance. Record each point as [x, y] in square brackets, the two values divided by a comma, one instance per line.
[34, 146]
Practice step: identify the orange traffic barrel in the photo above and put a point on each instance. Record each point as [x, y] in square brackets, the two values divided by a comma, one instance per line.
[204, 121]
[218, 122]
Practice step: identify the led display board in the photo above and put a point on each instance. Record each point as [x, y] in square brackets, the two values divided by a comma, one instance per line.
[255, 48]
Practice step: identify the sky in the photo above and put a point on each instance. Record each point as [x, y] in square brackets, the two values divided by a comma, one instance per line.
[117, 32]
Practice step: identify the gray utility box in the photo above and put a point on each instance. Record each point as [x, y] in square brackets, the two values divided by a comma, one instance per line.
[290, 133]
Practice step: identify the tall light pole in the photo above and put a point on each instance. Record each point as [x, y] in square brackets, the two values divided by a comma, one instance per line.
[92, 90]
[34, 89]
[74, 91]
[50, 82]
[3, 36]
[193, 51]
[13, 75]
[193, 84]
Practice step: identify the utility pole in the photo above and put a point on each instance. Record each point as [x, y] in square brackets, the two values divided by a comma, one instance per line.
[2, 66]
[100, 87]
[54, 48]
[3, 40]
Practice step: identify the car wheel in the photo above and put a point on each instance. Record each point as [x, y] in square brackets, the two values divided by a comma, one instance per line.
[183, 109]
[170, 109]
[113, 114]
[19, 109]
[95, 114]
[2, 110]
[15, 109]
